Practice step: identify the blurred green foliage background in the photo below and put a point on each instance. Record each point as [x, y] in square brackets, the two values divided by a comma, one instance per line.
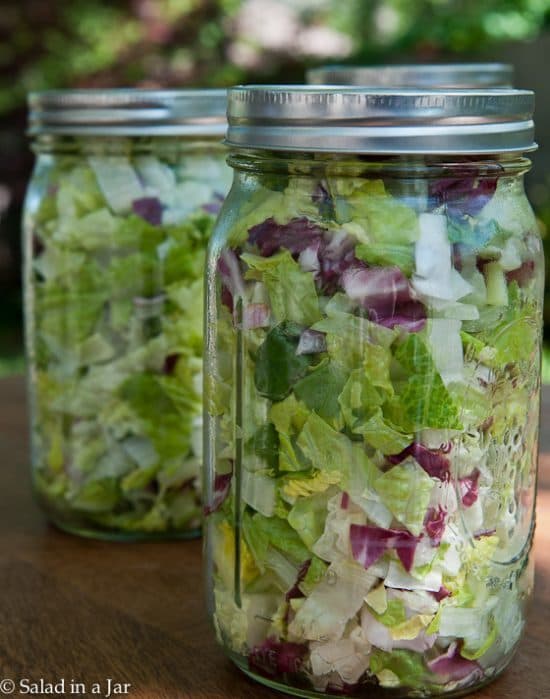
[221, 42]
[175, 43]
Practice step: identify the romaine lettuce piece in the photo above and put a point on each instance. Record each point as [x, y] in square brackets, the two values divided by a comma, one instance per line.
[289, 416]
[294, 487]
[517, 336]
[292, 293]
[400, 668]
[381, 434]
[423, 402]
[263, 533]
[319, 391]
[308, 517]
[377, 217]
[259, 491]
[406, 490]
[388, 254]
[117, 180]
[333, 452]
[278, 367]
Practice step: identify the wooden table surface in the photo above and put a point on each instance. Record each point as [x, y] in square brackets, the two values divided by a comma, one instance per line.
[75, 609]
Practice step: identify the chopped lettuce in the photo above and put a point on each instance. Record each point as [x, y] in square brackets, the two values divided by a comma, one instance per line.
[117, 327]
[332, 452]
[329, 606]
[517, 336]
[406, 490]
[319, 391]
[399, 668]
[278, 367]
[265, 533]
[381, 434]
[388, 254]
[376, 374]
[373, 214]
[308, 516]
[291, 291]
[423, 401]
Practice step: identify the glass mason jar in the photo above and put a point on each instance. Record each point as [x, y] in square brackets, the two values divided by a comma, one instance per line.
[125, 190]
[372, 379]
[422, 75]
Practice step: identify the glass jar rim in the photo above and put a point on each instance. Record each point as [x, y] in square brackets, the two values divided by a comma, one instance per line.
[342, 119]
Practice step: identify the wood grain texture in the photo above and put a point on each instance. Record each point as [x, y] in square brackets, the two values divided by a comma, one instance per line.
[74, 608]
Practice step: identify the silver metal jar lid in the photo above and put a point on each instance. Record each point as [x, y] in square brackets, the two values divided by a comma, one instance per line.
[360, 120]
[421, 75]
[128, 112]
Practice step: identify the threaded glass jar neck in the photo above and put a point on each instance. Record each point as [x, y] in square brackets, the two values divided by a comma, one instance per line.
[327, 164]
[122, 145]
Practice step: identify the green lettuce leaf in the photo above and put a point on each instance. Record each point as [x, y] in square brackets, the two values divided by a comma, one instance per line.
[360, 402]
[376, 217]
[350, 338]
[262, 533]
[265, 445]
[319, 390]
[377, 359]
[278, 367]
[145, 396]
[422, 401]
[97, 495]
[303, 484]
[358, 399]
[138, 479]
[78, 193]
[68, 310]
[136, 274]
[292, 292]
[259, 490]
[59, 263]
[381, 434]
[289, 416]
[518, 335]
[388, 255]
[307, 517]
[331, 451]
[315, 573]
[184, 329]
[405, 490]
[478, 351]
[406, 666]
[476, 647]
[393, 615]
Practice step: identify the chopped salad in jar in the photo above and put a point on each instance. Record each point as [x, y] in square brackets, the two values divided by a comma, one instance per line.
[116, 327]
[373, 406]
